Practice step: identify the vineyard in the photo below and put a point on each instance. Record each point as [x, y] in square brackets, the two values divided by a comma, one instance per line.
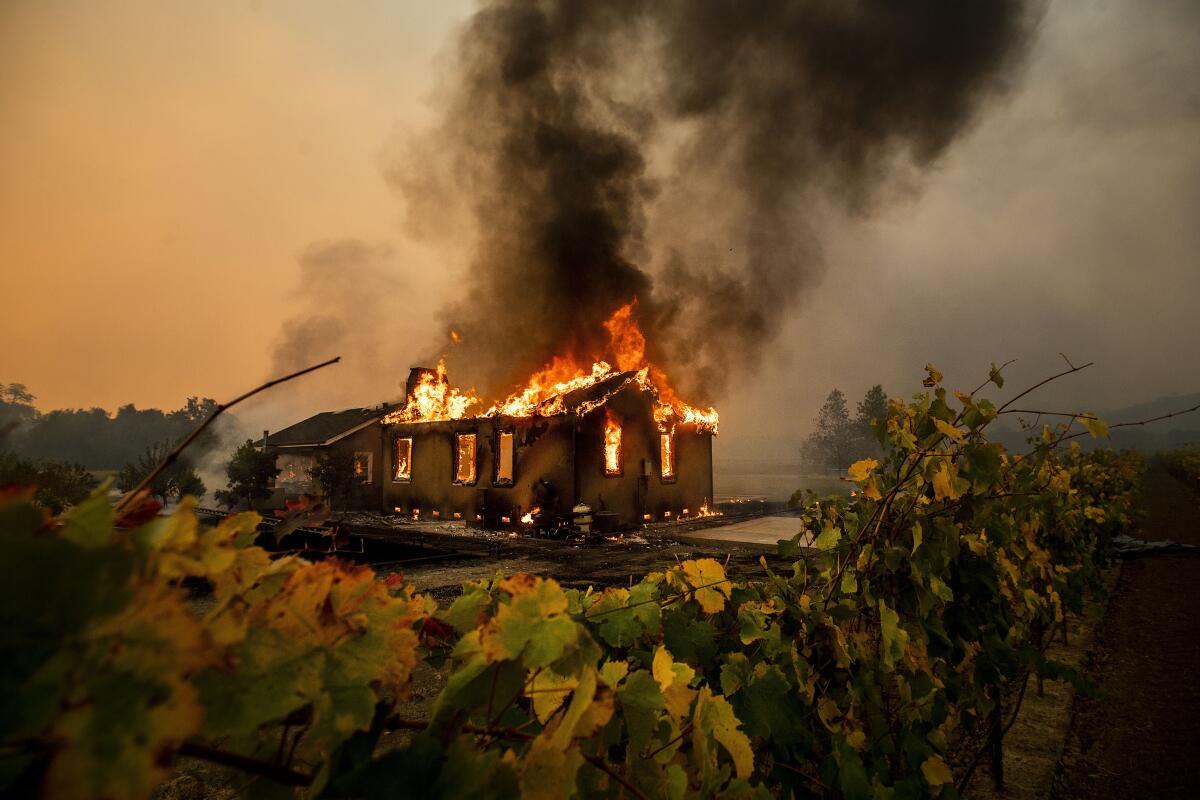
[1183, 464]
[873, 667]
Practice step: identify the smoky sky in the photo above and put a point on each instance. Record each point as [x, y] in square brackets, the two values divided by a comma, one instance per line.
[682, 153]
[345, 294]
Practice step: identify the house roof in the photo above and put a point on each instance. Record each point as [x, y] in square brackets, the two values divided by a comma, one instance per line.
[583, 401]
[325, 427]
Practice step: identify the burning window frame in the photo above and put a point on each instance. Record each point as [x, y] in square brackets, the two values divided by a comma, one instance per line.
[610, 420]
[668, 467]
[367, 475]
[498, 450]
[458, 436]
[297, 464]
[396, 476]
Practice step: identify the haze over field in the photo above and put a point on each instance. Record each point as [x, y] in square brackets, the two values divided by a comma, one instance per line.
[192, 188]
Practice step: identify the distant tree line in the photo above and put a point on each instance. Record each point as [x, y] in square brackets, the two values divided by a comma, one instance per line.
[57, 450]
[93, 437]
[839, 439]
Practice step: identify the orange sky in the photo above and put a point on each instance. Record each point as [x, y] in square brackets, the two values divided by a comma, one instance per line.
[163, 165]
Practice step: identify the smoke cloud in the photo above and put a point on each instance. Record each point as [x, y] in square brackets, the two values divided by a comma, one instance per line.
[347, 295]
[684, 153]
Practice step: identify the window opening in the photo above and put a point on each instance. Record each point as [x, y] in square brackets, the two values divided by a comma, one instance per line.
[402, 469]
[612, 443]
[362, 466]
[504, 459]
[666, 453]
[464, 458]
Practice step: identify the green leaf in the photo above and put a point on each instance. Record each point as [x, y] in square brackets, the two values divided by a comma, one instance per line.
[642, 702]
[894, 637]
[995, 377]
[829, 538]
[623, 615]
[532, 625]
[469, 609]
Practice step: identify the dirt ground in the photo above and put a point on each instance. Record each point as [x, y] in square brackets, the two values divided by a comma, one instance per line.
[1141, 737]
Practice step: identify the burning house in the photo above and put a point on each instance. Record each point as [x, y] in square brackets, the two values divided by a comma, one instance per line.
[615, 439]
[599, 444]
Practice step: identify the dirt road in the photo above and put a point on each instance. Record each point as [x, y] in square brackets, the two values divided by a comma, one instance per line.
[1141, 737]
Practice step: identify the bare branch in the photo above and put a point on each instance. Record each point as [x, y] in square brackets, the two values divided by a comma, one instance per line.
[1048, 413]
[997, 371]
[1042, 383]
[173, 456]
[1139, 422]
[253, 766]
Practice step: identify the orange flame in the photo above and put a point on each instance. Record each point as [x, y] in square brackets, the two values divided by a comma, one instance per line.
[612, 443]
[433, 398]
[542, 395]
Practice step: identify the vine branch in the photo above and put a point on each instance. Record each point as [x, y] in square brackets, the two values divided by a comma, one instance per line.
[127, 499]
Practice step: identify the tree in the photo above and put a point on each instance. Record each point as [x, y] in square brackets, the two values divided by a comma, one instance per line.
[97, 439]
[59, 484]
[16, 407]
[837, 441]
[334, 472]
[251, 473]
[15, 393]
[831, 444]
[873, 406]
[175, 482]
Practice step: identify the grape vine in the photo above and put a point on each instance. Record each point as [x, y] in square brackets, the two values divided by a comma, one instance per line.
[910, 608]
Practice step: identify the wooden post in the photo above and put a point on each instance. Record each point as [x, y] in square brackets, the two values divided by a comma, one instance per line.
[997, 736]
[1039, 637]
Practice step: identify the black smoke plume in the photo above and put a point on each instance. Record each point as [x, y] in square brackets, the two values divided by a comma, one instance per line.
[683, 152]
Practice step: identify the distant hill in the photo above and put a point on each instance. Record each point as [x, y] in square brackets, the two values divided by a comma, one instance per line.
[1162, 435]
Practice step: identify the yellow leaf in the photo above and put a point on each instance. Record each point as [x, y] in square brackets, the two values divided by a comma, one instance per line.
[1095, 426]
[935, 771]
[871, 490]
[943, 482]
[859, 470]
[584, 694]
[828, 711]
[548, 690]
[714, 717]
[673, 679]
[949, 431]
[548, 772]
[707, 577]
[934, 377]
